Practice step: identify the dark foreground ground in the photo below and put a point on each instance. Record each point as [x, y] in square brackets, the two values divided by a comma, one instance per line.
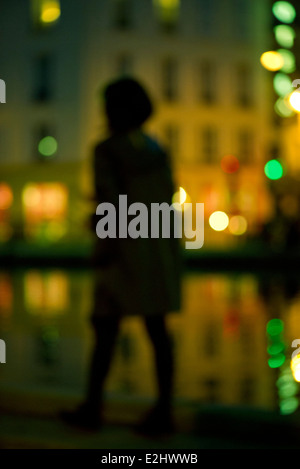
[32, 422]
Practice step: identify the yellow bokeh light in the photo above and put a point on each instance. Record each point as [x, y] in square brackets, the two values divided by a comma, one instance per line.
[272, 60]
[179, 198]
[218, 221]
[50, 11]
[295, 367]
[238, 225]
[182, 195]
[294, 100]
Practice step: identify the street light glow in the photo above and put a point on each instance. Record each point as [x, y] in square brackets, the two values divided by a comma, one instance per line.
[294, 100]
[218, 221]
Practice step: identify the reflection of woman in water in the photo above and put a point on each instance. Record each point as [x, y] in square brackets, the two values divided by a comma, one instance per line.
[134, 276]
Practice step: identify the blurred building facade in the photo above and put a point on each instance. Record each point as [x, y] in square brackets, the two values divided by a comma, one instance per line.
[200, 62]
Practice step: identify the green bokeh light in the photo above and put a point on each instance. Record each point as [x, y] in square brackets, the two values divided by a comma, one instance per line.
[285, 35]
[288, 406]
[47, 146]
[282, 109]
[289, 61]
[288, 390]
[273, 171]
[275, 326]
[284, 12]
[285, 379]
[276, 361]
[282, 84]
[276, 348]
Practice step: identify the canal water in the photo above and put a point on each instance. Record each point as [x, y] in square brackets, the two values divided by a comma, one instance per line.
[232, 340]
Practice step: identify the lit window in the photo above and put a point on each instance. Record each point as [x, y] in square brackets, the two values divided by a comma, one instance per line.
[122, 14]
[45, 13]
[169, 79]
[45, 209]
[167, 13]
[207, 82]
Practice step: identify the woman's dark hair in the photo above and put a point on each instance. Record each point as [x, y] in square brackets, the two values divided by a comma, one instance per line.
[127, 104]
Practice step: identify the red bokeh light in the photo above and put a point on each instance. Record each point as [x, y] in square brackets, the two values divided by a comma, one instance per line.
[230, 164]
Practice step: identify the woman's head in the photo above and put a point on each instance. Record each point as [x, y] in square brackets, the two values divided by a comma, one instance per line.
[127, 104]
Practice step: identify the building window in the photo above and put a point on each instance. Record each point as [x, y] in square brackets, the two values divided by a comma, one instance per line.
[241, 19]
[209, 145]
[43, 72]
[170, 79]
[207, 82]
[273, 152]
[171, 137]
[244, 85]
[124, 65]
[247, 390]
[45, 13]
[206, 17]
[211, 340]
[167, 13]
[246, 146]
[123, 14]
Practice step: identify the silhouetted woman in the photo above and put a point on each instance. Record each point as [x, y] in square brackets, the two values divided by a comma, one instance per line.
[138, 276]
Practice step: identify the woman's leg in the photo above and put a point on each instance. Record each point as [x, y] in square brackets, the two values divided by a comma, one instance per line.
[88, 414]
[106, 330]
[163, 353]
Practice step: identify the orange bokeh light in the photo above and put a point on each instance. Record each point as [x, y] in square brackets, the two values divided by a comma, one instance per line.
[230, 164]
[6, 196]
